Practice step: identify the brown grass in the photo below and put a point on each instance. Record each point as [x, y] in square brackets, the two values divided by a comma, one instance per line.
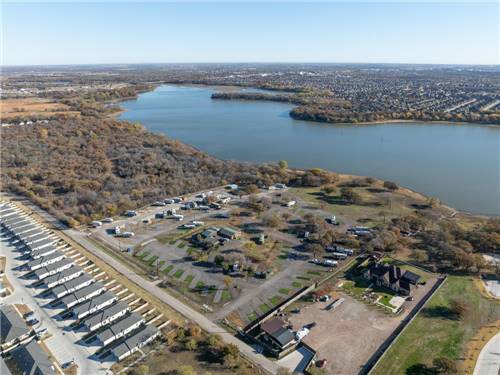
[475, 346]
[12, 108]
[23, 309]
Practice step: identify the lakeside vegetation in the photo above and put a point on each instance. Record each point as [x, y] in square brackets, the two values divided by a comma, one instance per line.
[323, 107]
[438, 336]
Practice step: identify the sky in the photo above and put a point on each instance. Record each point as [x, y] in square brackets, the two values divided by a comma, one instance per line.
[111, 32]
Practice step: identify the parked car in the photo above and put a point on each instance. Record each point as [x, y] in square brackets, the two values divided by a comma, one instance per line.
[159, 204]
[301, 333]
[107, 220]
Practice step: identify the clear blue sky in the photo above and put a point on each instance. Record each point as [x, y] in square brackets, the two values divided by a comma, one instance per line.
[146, 32]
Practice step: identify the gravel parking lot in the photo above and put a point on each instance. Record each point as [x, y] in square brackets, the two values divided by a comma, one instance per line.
[346, 336]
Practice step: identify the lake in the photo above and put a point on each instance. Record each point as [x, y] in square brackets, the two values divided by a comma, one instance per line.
[459, 164]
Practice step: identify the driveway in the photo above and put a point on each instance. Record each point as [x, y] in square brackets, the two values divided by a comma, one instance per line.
[61, 343]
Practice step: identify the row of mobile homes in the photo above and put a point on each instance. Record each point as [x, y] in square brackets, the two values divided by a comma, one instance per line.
[44, 261]
[134, 342]
[82, 295]
[52, 269]
[106, 316]
[93, 305]
[72, 285]
[120, 328]
[62, 277]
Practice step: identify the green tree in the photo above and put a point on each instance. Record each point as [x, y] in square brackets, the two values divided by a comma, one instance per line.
[283, 164]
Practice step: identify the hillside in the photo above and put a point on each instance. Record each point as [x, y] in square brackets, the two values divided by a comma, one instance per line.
[92, 166]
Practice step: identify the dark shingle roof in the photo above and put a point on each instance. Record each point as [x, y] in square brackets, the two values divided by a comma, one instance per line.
[411, 277]
[12, 326]
[32, 360]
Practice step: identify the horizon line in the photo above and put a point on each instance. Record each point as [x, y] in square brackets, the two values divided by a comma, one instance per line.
[248, 62]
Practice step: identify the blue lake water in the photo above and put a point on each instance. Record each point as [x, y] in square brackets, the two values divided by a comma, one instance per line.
[459, 164]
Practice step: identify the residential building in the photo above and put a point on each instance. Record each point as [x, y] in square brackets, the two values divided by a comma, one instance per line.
[134, 342]
[93, 305]
[31, 359]
[13, 328]
[105, 316]
[120, 328]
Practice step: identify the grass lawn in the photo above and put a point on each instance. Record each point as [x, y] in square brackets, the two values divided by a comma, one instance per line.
[303, 278]
[434, 334]
[316, 273]
[264, 307]
[226, 296]
[160, 264]
[143, 255]
[296, 284]
[200, 285]
[151, 260]
[251, 317]
[275, 300]
[181, 245]
[188, 279]
[168, 269]
[385, 298]
[355, 287]
[284, 291]
[178, 273]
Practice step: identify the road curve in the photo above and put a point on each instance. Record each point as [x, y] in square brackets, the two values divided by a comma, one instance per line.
[488, 362]
[191, 314]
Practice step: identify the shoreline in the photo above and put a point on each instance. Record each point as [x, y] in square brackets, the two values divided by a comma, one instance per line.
[122, 110]
[235, 88]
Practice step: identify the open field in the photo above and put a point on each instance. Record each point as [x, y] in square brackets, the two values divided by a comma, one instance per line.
[435, 333]
[32, 107]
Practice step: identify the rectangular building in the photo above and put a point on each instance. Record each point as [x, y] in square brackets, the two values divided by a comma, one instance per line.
[29, 231]
[120, 328]
[12, 220]
[31, 359]
[82, 295]
[62, 277]
[93, 305]
[18, 225]
[134, 342]
[42, 244]
[13, 328]
[52, 269]
[72, 285]
[37, 238]
[105, 316]
[43, 252]
[44, 261]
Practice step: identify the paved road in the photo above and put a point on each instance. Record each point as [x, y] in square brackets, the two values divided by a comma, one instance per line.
[488, 362]
[62, 346]
[177, 305]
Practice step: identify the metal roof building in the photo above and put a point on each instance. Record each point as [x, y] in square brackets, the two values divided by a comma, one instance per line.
[105, 316]
[37, 238]
[4, 370]
[72, 285]
[62, 277]
[18, 225]
[45, 261]
[42, 244]
[95, 304]
[29, 231]
[52, 269]
[31, 359]
[82, 295]
[120, 328]
[134, 342]
[43, 252]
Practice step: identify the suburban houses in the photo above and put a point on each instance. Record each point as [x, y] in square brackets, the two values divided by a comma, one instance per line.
[392, 277]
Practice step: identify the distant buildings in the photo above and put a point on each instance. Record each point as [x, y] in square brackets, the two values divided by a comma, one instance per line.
[392, 277]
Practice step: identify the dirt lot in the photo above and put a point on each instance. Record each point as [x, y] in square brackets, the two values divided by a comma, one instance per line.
[12, 108]
[346, 336]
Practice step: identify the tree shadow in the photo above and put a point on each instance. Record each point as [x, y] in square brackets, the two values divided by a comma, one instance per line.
[420, 369]
[439, 312]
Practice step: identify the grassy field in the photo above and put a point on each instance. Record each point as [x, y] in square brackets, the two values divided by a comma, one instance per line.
[12, 108]
[433, 334]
